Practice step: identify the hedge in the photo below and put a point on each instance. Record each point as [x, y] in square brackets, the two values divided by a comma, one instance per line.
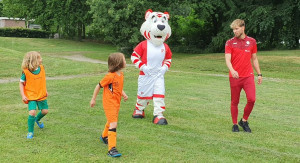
[23, 32]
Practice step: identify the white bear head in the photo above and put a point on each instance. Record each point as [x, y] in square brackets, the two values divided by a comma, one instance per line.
[156, 28]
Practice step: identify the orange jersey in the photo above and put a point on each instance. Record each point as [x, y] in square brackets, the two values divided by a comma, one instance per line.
[112, 84]
[35, 85]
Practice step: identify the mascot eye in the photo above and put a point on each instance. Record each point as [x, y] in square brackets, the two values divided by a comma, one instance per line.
[155, 20]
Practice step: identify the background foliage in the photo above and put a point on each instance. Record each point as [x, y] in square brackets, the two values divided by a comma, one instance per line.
[197, 26]
[21, 32]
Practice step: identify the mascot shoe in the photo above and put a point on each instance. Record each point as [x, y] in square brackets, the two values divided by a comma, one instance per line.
[138, 114]
[159, 120]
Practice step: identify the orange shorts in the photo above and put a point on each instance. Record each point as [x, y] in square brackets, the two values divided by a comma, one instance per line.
[111, 115]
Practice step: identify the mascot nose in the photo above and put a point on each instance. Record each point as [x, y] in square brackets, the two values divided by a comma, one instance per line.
[161, 27]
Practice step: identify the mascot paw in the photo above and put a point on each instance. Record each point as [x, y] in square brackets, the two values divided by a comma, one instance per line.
[138, 114]
[159, 120]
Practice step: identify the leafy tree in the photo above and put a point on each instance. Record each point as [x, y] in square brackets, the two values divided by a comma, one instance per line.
[273, 22]
[1, 9]
[68, 17]
[118, 22]
[197, 26]
[17, 9]
[270, 22]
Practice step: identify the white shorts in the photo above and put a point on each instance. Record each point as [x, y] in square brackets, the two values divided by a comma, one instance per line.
[151, 86]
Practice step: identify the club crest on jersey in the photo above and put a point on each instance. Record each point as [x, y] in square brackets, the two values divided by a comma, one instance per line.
[110, 87]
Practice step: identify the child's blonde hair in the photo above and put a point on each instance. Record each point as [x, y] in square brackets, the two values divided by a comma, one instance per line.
[115, 62]
[237, 23]
[31, 60]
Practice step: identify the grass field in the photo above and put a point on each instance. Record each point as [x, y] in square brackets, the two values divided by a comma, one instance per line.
[197, 109]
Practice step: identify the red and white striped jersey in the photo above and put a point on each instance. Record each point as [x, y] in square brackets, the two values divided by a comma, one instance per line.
[145, 53]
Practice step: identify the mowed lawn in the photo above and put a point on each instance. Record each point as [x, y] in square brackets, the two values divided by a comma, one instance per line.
[197, 109]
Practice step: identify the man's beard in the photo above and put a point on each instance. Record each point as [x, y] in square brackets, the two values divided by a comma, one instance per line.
[238, 35]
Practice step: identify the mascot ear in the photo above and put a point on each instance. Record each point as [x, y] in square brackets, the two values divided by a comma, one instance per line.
[167, 14]
[148, 12]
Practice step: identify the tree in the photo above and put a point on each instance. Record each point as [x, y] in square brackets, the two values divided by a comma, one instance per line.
[17, 9]
[197, 26]
[68, 17]
[118, 22]
[274, 23]
[1, 9]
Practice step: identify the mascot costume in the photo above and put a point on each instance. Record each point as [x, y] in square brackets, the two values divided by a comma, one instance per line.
[153, 58]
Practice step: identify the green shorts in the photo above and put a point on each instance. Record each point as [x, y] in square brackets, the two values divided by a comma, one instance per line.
[41, 105]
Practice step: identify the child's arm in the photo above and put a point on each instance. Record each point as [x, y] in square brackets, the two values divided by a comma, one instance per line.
[125, 97]
[21, 86]
[96, 91]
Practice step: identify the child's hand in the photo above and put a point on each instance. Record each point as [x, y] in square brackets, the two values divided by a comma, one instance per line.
[92, 103]
[125, 97]
[24, 99]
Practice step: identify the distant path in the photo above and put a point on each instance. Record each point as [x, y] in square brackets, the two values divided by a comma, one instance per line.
[81, 58]
[2, 81]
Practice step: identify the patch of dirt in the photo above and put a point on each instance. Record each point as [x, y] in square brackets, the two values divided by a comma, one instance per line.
[12, 80]
[82, 58]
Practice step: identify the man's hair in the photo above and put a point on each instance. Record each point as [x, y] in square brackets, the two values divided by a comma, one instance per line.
[237, 23]
[31, 60]
[115, 62]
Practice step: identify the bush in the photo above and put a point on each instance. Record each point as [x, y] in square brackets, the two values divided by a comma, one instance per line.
[23, 32]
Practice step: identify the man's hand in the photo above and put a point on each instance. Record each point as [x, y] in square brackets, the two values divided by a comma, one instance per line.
[234, 74]
[259, 79]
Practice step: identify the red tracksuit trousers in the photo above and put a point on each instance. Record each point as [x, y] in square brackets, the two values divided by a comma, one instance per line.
[236, 85]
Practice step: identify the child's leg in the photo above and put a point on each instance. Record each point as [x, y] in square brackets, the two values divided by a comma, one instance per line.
[112, 135]
[43, 106]
[105, 131]
[31, 119]
[41, 114]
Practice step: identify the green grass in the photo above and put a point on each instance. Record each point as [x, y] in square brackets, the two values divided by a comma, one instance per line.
[197, 102]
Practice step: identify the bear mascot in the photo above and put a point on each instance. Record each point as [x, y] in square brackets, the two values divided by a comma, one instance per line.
[153, 58]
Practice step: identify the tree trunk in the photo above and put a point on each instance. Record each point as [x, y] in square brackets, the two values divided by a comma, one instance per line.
[83, 31]
[79, 29]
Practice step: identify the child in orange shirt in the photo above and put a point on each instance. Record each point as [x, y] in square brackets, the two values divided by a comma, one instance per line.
[33, 89]
[112, 85]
